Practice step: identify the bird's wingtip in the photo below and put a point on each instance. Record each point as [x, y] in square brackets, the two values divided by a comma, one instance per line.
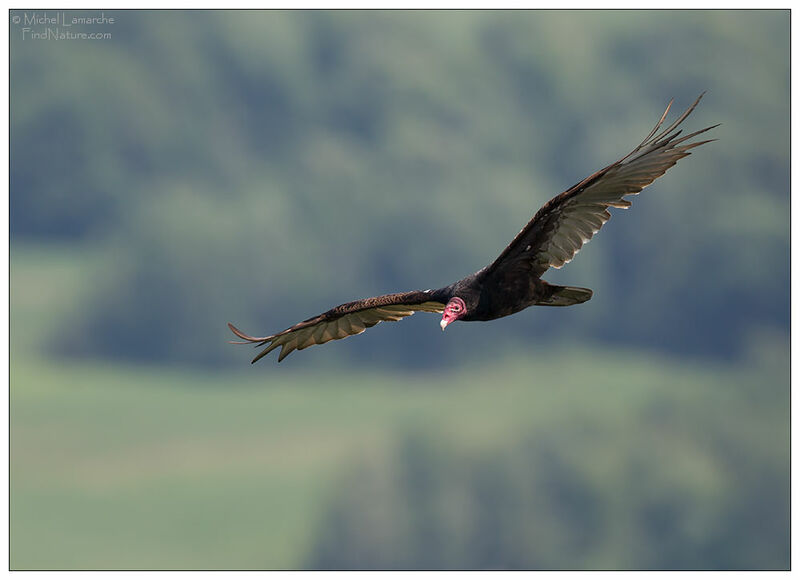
[247, 337]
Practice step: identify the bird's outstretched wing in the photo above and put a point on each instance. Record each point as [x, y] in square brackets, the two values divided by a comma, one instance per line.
[345, 320]
[569, 220]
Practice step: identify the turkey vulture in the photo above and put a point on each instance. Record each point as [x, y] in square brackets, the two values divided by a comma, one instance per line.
[513, 281]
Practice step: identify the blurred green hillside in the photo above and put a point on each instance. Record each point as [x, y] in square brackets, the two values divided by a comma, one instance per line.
[261, 167]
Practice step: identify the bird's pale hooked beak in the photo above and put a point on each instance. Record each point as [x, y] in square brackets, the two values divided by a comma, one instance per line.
[444, 324]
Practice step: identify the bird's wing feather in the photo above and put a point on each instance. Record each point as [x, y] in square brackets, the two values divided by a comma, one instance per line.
[345, 320]
[561, 227]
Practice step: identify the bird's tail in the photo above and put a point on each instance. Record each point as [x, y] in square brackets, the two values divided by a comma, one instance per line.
[565, 296]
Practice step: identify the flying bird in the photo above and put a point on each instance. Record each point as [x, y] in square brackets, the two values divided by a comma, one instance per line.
[513, 281]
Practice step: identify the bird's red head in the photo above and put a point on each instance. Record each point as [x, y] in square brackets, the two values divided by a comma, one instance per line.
[454, 310]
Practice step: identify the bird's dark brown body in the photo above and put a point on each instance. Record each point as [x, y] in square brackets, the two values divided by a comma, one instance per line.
[489, 298]
[513, 281]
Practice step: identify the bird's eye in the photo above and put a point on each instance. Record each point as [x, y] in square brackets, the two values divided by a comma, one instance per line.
[456, 307]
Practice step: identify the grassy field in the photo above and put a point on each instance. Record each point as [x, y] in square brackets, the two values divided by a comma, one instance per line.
[115, 467]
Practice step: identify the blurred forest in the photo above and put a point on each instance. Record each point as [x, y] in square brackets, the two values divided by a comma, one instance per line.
[261, 167]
